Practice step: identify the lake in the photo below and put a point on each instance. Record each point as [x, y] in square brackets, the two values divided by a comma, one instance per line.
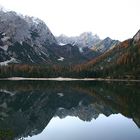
[69, 110]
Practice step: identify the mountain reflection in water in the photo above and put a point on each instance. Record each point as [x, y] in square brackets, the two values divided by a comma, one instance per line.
[27, 107]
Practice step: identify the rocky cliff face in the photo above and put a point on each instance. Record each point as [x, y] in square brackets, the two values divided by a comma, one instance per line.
[23, 39]
[19, 29]
[136, 37]
[105, 45]
[86, 39]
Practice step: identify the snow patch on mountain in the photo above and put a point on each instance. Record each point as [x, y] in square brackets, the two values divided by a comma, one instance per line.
[61, 59]
[5, 38]
[81, 49]
[5, 63]
[61, 44]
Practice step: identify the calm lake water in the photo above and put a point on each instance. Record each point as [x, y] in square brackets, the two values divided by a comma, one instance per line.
[72, 110]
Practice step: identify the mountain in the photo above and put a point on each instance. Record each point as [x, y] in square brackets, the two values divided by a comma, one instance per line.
[105, 45]
[18, 28]
[91, 46]
[84, 42]
[86, 39]
[120, 62]
[28, 40]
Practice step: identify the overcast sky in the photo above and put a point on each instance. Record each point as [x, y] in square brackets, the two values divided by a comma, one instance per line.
[118, 19]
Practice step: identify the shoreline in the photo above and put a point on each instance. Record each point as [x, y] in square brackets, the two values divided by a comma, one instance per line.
[67, 79]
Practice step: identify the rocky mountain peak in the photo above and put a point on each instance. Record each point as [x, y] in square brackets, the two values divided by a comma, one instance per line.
[20, 28]
[89, 35]
[107, 39]
[137, 36]
[86, 39]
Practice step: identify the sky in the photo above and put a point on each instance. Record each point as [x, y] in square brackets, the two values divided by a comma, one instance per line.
[118, 19]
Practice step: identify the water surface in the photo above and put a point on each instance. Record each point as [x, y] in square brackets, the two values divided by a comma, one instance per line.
[72, 110]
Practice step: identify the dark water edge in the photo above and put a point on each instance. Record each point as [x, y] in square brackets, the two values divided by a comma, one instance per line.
[27, 108]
